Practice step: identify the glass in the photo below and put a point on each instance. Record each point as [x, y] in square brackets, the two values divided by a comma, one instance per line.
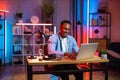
[40, 51]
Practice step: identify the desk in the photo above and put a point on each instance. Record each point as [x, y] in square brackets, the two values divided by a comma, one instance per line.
[36, 62]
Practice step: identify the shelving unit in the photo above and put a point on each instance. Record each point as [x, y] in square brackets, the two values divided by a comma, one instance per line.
[27, 40]
[3, 36]
[100, 29]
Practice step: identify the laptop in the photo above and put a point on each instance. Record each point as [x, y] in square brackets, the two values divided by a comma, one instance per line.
[87, 51]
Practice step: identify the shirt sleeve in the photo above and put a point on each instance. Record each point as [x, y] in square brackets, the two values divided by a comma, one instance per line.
[75, 46]
[52, 44]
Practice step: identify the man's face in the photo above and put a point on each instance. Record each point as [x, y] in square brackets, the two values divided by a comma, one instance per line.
[65, 29]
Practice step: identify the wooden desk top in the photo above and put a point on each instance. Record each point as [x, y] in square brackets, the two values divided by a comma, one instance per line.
[64, 61]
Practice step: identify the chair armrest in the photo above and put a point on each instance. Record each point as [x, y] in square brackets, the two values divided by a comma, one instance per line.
[114, 54]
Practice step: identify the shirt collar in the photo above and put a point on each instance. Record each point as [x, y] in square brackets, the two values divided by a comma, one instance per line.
[61, 37]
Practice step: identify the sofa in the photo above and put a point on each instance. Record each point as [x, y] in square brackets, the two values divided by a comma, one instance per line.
[114, 54]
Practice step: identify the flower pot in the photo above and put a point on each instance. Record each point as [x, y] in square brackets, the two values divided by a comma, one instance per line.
[20, 21]
[104, 56]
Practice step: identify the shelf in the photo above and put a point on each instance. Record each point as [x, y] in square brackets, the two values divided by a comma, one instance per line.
[1, 19]
[100, 38]
[99, 25]
[2, 49]
[18, 34]
[37, 24]
[3, 36]
[17, 54]
[100, 29]
[4, 11]
[100, 13]
[17, 44]
[29, 43]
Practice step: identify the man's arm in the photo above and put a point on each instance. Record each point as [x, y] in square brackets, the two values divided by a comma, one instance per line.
[75, 46]
[52, 44]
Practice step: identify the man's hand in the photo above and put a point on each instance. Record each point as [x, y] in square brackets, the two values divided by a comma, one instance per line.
[69, 55]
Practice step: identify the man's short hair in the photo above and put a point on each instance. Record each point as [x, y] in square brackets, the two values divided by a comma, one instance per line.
[65, 21]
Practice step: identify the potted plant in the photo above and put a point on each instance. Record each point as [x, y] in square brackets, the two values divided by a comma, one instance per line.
[19, 17]
[104, 54]
[47, 10]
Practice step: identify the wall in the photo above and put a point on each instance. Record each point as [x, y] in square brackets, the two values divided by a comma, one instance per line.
[62, 11]
[27, 7]
[114, 8]
[30, 8]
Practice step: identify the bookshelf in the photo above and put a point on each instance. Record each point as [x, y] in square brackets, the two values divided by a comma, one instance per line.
[100, 29]
[27, 41]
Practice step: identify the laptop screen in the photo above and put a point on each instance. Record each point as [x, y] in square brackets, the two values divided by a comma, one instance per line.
[87, 50]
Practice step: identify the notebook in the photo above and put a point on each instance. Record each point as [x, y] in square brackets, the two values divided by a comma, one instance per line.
[87, 51]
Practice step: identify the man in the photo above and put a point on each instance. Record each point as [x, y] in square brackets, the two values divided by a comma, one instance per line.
[62, 44]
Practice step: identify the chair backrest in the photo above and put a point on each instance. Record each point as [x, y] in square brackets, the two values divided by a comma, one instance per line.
[115, 46]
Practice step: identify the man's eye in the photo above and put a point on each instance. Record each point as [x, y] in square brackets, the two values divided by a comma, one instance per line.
[66, 29]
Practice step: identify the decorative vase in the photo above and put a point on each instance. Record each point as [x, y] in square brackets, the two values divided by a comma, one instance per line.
[20, 21]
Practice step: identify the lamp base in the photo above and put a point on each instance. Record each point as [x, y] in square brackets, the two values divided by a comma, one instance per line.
[32, 57]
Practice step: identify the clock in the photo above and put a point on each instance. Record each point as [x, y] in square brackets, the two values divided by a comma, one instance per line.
[34, 19]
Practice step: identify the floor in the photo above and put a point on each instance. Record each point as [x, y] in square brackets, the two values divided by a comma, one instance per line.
[19, 73]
